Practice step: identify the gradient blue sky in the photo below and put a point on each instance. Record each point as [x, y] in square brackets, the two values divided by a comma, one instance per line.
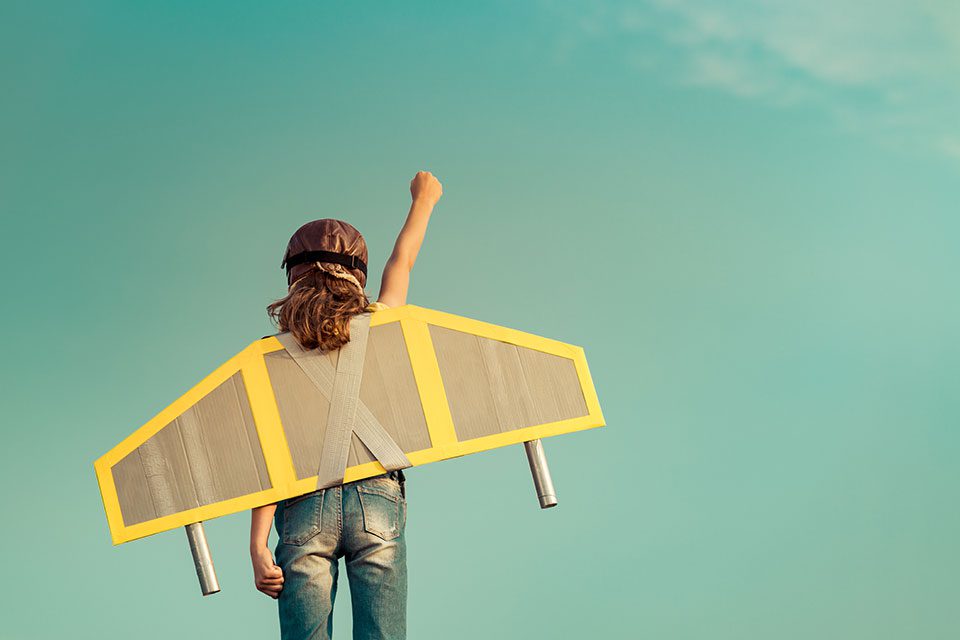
[746, 213]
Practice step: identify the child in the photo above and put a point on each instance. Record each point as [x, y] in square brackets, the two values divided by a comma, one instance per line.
[317, 528]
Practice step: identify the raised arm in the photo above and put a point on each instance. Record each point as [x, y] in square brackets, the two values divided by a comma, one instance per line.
[425, 190]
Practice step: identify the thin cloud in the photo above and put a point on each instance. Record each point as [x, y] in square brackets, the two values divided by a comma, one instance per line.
[951, 147]
[888, 69]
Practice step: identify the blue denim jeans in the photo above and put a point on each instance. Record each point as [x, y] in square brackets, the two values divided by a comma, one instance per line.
[362, 522]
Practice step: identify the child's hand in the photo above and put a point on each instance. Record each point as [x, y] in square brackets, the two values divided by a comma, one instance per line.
[267, 576]
[425, 187]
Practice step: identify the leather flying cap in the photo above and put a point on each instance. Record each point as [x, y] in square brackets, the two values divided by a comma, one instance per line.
[326, 241]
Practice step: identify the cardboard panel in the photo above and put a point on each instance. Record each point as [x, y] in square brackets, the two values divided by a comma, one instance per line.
[204, 456]
[508, 385]
[131, 482]
[496, 387]
[303, 411]
[390, 391]
[251, 432]
[168, 472]
[553, 382]
[224, 451]
[466, 383]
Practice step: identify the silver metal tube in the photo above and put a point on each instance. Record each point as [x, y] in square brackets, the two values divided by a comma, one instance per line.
[541, 473]
[202, 559]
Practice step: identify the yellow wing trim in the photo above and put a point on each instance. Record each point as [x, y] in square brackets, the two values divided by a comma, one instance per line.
[414, 323]
[266, 417]
[426, 373]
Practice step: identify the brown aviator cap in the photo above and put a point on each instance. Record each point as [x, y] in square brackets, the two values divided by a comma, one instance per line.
[327, 240]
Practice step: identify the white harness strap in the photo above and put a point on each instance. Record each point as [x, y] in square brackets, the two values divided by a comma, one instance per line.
[341, 386]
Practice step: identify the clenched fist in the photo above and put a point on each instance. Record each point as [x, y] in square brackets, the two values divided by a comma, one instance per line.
[425, 187]
[267, 576]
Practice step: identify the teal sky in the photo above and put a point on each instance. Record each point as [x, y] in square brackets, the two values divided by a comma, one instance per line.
[745, 213]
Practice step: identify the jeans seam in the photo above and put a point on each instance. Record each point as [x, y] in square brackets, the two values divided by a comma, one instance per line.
[377, 490]
[339, 513]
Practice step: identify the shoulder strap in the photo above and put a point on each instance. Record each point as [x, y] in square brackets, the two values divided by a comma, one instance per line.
[347, 415]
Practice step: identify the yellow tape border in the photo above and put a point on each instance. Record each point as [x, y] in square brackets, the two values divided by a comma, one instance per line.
[414, 323]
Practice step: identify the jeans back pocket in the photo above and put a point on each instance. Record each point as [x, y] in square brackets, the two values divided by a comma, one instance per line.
[384, 509]
[302, 518]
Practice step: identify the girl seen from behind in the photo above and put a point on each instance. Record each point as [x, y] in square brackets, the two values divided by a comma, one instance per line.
[326, 274]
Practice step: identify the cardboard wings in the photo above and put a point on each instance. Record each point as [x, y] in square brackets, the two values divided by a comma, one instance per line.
[252, 432]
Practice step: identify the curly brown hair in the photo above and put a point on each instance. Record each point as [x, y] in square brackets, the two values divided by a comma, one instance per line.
[317, 310]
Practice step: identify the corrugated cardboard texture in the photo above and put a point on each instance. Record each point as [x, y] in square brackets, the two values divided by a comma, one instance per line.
[495, 387]
[209, 454]
[481, 386]
[388, 390]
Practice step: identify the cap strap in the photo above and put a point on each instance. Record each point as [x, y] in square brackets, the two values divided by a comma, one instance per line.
[324, 256]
